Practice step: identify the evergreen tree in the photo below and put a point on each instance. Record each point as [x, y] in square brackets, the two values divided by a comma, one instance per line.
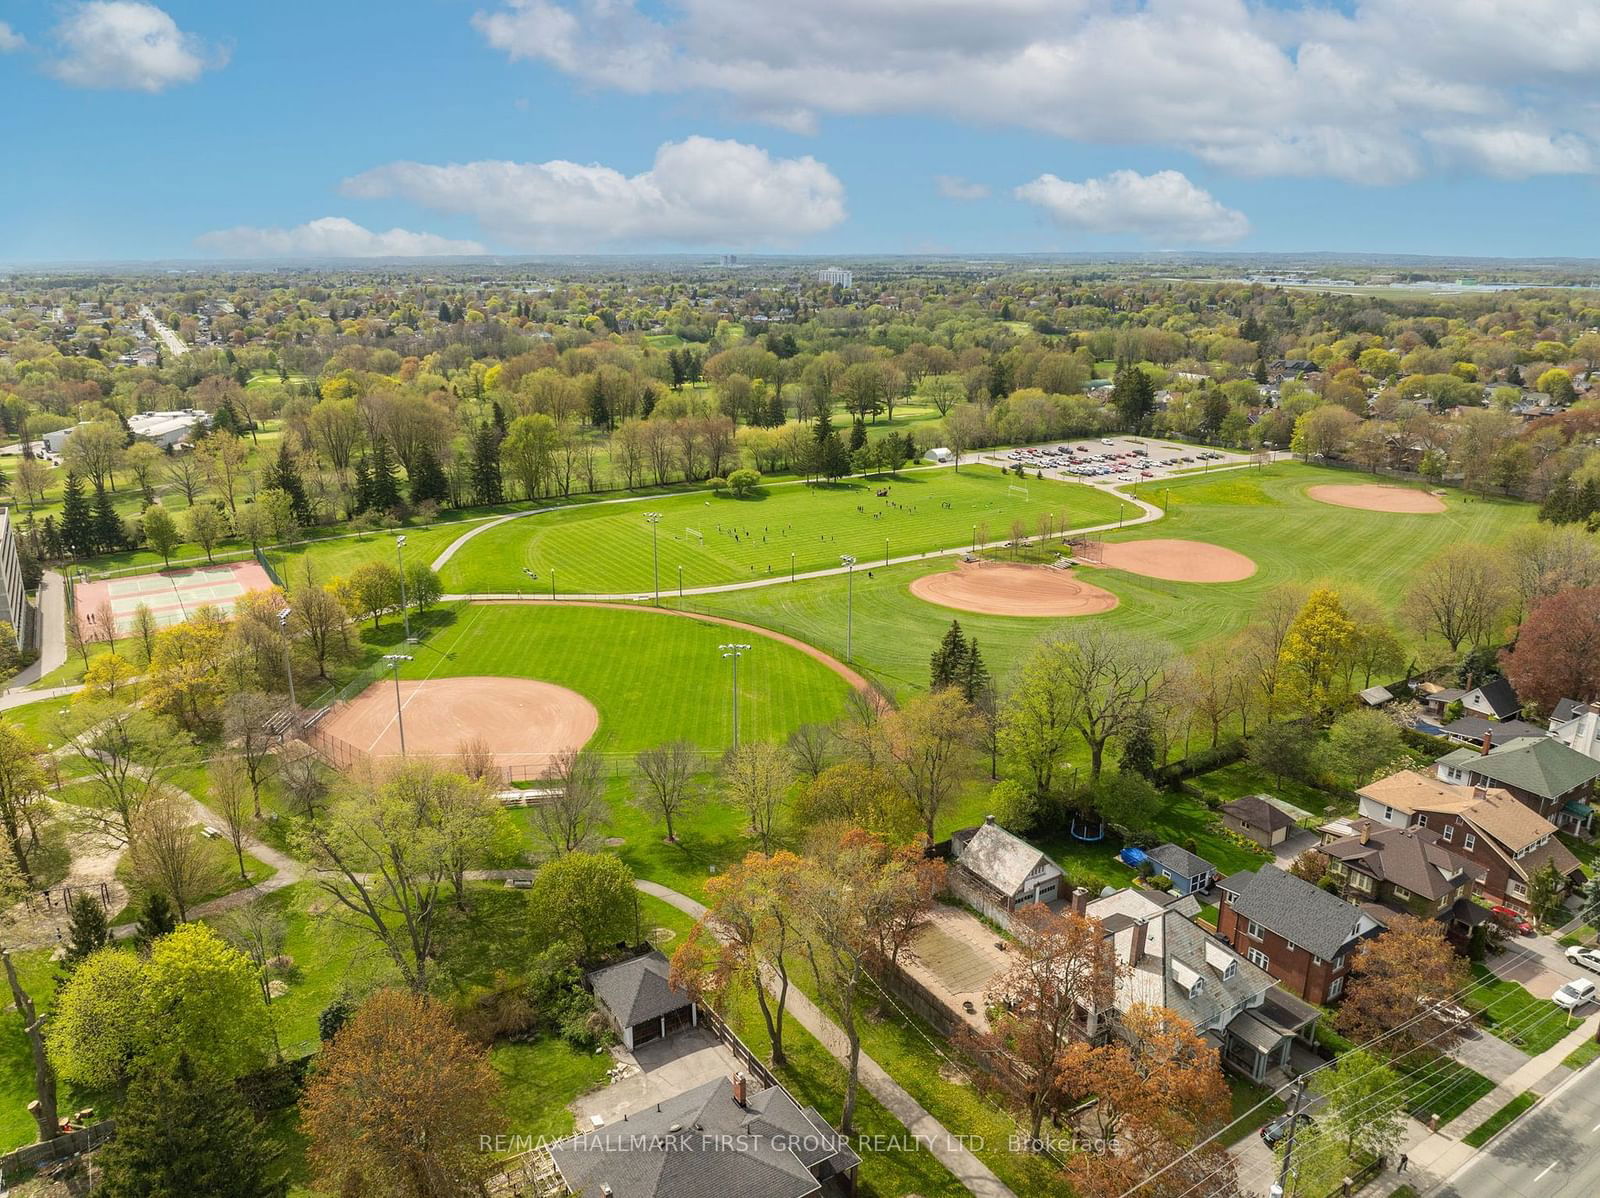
[361, 496]
[285, 476]
[87, 930]
[974, 674]
[1560, 505]
[775, 413]
[181, 1132]
[858, 434]
[487, 485]
[155, 921]
[680, 372]
[949, 659]
[911, 448]
[499, 418]
[1261, 371]
[1139, 748]
[1587, 505]
[385, 478]
[428, 482]
[822, 427]
[108, 532]
[1514, 376]
[333, 1017]
[77, 521]
[599, 405]
[50, 540]
[226, 420]
[1134, 397]
[444, 312]
[833, 459]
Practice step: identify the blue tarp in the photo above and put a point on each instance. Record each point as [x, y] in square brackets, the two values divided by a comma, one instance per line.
[1131, 857]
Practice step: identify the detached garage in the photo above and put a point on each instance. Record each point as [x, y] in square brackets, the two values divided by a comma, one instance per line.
[640, 1001]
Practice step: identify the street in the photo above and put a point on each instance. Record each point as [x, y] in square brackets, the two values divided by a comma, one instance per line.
[1551, 1152]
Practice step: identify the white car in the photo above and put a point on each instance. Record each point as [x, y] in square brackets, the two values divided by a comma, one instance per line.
[1576, 993]
[1589, 958]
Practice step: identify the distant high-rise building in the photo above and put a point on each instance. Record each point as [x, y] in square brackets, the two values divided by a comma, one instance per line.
[13, 604]
[834, 276]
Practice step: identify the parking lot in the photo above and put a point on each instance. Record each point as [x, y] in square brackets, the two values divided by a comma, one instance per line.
[1110, 460]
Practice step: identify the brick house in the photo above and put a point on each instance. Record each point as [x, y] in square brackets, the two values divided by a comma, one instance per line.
[1299, 933]
[1504, 841]
[1551, 779]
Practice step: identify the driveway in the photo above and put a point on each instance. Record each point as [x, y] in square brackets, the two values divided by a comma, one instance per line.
[1488, 1054]
[655, 1072]
[1297, 842]
[955, 956]
[1537, 963]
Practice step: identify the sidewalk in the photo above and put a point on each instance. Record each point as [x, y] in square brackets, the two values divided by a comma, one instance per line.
[1438, 1156]
[968, 1169]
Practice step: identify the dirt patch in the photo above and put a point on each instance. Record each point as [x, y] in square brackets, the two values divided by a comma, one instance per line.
[1369, 497]
[1177, 561]
[523, 722]
[1013, 589]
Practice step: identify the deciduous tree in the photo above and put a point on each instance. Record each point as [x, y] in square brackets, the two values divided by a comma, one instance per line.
[931, 743]
[1557, 652]
[587, 901]
[757, 777]
[569, 819]
[664, 780]
[1402, 981]
[1459, 596]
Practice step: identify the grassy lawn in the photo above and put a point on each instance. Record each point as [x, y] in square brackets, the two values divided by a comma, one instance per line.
[1242, 778]
[608, 547]
[1441, 1087]
[1582, 1055]
[227, 878]
[1586, 851]
[540, 1078]
[1480, 1135]
[1266, 516]
[1244, 1117]
[1511, 1013]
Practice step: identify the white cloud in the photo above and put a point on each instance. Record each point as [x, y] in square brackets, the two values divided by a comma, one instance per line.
[330, 237]
[128, 45]
[1374, 90]
[698, 191]
[954, 187]
[1165, 208]
[10, 39]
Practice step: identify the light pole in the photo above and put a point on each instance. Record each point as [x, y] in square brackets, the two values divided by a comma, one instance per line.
[400, 560]
[394, 660]
[680, 585]
[791, 567]
[655, 552]
[886, 551]
[735, 652]
[288, 659]
[849, 605]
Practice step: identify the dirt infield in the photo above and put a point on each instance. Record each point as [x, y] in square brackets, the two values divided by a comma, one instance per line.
[1012, 589]
[171, 595]
[1178, 561]
[523, 722]
[1370, 497]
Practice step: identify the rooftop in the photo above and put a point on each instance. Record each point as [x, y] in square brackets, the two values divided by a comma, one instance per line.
[1412, 858]
[1001, 859]
[1301, 913]
[637, 990]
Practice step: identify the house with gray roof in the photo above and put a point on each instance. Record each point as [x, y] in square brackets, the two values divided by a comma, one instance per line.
[1190, 874]
[641, 1002]
[1172, 961]
[1006, 869]
[1259, 818]
[719, 1138]
[1299, 933]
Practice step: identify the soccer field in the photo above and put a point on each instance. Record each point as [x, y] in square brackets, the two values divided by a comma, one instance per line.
[1266, 516]
[606, 548]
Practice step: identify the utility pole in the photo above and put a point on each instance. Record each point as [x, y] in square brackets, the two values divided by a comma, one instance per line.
[1288, 1148]
[655, 553]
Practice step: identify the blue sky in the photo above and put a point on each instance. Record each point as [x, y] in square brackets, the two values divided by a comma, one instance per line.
[347, 127]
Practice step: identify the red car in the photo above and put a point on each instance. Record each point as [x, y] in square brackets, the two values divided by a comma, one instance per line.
[1511, 921]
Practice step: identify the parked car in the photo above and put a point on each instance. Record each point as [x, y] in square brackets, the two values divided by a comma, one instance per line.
[1511, 921]
[1278, 1129]
[1589, 958]
[1576, 993]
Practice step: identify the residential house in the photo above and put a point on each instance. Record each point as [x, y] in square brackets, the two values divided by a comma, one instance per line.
[1550, 778]
[1577, 725]
[1259, 818]
[1296, 931]
[718, 1138]
[1495, 699]
[641, 1002]
[1007, 869]
[1504, 840]
[1471, 730]
[1190, 874]
[1174, 962]
[1404, 870]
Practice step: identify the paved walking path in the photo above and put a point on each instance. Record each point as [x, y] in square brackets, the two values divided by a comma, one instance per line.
[968, 1169]
[52, 631]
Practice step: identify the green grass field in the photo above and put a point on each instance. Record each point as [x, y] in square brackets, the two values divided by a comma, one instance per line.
[1266, 516]
[607, 548]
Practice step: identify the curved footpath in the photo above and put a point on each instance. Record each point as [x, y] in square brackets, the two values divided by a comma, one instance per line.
[950, 1152]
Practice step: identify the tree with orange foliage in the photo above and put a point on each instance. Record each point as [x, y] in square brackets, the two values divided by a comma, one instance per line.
[1400, 987]
[1066, 965]
[398, 1101]
[1160, 1091]
[744, 938]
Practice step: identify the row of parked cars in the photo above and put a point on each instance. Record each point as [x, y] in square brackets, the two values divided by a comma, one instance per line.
[1087, 462]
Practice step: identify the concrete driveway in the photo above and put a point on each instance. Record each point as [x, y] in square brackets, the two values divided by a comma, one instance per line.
[656, 1072]
[1299, 841]
[1535, 962]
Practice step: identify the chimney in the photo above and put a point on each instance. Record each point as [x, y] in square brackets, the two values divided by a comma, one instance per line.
[1080, 900]
[1366, 830]
[988, 819]
[1488, 742]
[1136, 947]
[738, 1088]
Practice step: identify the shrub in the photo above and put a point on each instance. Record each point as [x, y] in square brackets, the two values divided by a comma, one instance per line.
[1159, 882]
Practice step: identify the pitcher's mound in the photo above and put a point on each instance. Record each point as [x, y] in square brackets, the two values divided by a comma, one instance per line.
[1013, 589]
[1370, 497]
[1177, 561]
[522, 722]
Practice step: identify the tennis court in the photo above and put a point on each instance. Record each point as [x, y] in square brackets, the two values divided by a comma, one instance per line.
[171, 595]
